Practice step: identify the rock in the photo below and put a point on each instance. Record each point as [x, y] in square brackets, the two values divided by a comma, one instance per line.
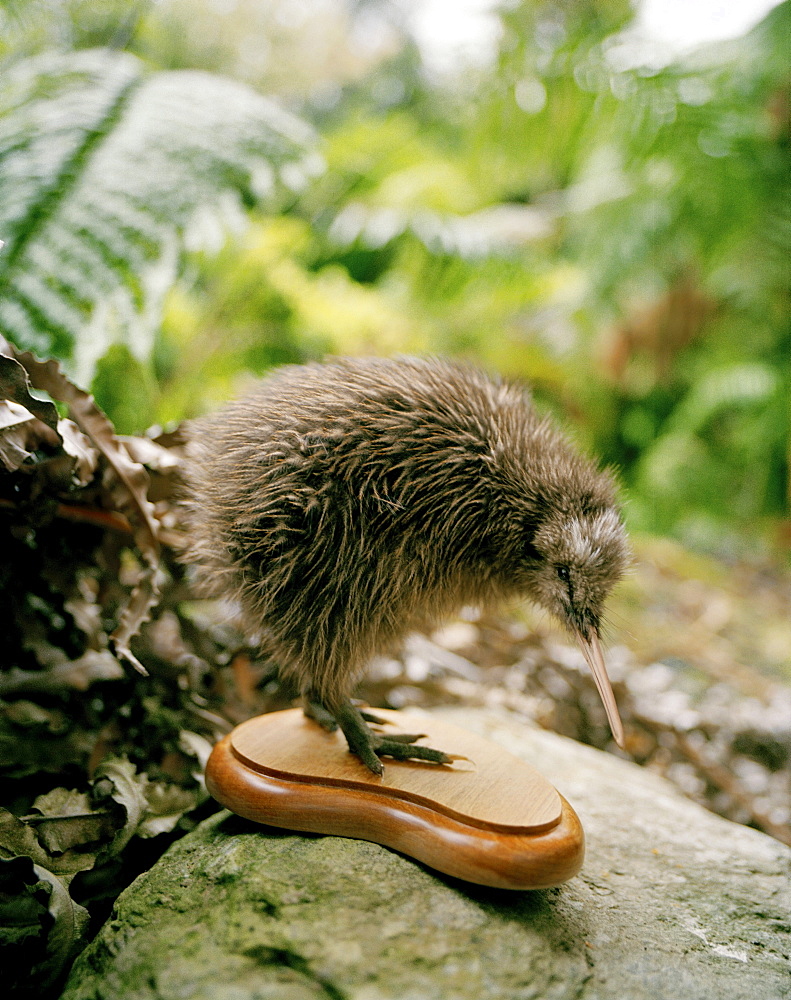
[673, 902]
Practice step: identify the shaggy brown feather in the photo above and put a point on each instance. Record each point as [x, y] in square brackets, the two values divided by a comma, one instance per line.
[343, 504]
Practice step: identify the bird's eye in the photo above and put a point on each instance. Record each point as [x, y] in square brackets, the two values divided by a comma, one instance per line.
[563, 573]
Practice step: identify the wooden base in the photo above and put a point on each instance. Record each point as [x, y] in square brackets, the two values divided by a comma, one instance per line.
[490, 818]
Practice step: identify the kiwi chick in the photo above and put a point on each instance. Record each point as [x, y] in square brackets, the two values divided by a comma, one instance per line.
[341, 505]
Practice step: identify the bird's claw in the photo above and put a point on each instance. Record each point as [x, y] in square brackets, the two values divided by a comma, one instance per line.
[370, 745]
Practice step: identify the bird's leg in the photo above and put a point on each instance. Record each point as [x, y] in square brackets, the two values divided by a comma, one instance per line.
[314, 709]
[368, 744]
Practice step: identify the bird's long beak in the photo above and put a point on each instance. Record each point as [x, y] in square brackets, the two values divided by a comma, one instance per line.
[591, 650]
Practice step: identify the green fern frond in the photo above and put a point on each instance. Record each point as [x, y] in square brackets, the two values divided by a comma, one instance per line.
[104, 171]
[735, 387]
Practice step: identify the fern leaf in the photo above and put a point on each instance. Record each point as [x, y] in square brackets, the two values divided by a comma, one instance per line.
[104, 170]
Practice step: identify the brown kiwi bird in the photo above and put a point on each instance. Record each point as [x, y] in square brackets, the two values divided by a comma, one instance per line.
[343, 504]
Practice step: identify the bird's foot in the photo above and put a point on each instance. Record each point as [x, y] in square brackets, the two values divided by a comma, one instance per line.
[316, 711]
[370, 745]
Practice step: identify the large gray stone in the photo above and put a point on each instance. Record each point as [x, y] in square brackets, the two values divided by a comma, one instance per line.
[672, 903]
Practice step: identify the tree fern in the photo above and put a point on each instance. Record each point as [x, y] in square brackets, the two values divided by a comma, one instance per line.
[104, 170]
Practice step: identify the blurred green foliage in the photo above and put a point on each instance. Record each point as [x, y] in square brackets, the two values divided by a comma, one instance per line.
[613, 231]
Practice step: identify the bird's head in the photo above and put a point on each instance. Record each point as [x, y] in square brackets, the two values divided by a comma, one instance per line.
[569, 565]
[551, 525]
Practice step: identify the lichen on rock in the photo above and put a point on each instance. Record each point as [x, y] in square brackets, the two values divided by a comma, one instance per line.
[672, 902]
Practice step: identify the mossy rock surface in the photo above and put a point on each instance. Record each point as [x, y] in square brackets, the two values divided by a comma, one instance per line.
[672, 902]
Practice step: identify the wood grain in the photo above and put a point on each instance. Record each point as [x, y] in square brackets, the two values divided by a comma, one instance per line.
[492, 788]
[493, 820]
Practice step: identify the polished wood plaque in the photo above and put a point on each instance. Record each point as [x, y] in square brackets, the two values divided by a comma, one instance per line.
[488, 818]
